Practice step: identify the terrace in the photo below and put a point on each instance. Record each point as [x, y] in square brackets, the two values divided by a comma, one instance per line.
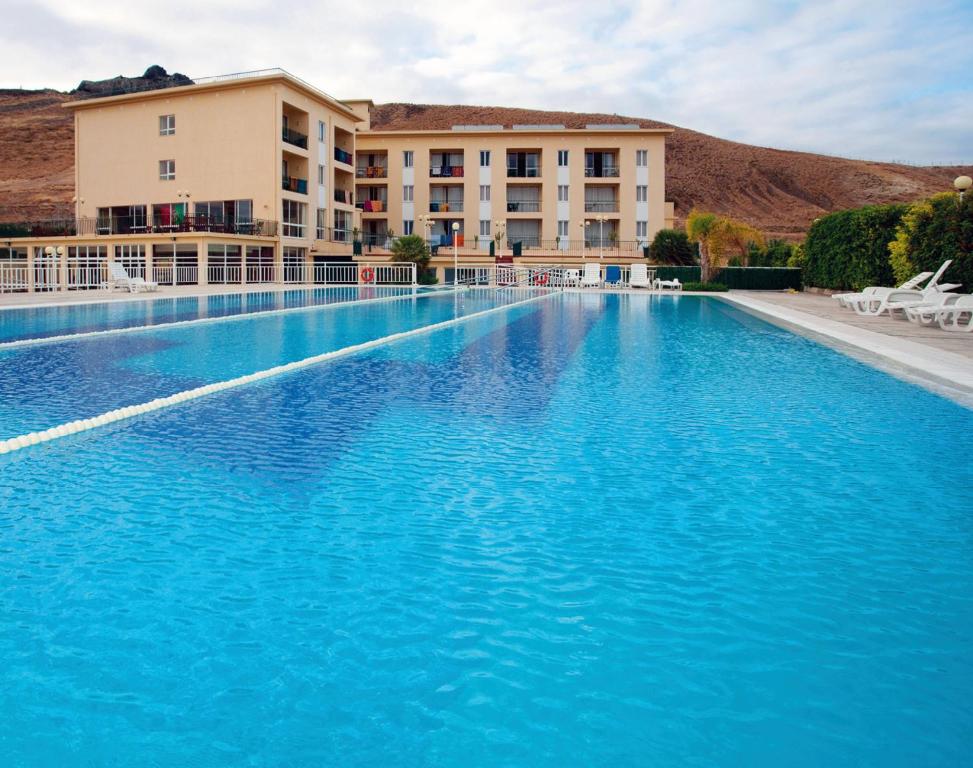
[372, 165]
[601, 164]
[446, 164]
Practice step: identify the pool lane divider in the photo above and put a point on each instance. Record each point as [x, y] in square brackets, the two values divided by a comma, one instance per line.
[83, 425]
[201, 320]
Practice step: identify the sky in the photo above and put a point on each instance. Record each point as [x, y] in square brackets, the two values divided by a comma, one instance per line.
[872, 79]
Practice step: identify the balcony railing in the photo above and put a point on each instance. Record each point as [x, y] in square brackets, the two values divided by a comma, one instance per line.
[138, 225]
[294, 184]
[606, 172]
[523, 206]
[601, 206]
[372, 172]
[523, 173]
[294, 137]
[372, 206]
[343, 157]
[443, 171]
[446, 206]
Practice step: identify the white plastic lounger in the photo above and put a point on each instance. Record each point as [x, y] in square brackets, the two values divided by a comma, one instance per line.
[925, 313]
[892, 299]
[847, 299]
[951, 318]
[661, 285]
[121, 279]
[591, 276]
[638, 277]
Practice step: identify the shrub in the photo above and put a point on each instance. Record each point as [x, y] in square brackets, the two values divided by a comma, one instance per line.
[707, 287]
[932, 231]
[672, 246]
[413, 248]
[849, 249]
[775, 254]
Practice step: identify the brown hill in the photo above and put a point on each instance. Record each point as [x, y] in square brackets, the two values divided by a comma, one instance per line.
[780, 191]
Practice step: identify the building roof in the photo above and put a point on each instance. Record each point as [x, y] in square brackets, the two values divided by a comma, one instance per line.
[220, 82]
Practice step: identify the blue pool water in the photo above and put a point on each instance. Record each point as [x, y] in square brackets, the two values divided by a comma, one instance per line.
[591, 530]
[46, 322]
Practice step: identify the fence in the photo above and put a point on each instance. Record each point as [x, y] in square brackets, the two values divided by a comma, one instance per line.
[759, 278]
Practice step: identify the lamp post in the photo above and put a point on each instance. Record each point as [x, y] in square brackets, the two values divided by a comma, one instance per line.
[58, 251]
[962, 183]
[455, 252]
[501, 230]
[601, 235]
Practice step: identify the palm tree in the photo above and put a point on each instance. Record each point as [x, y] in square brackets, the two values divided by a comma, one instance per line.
[717, 236]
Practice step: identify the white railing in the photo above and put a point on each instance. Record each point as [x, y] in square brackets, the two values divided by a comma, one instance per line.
[14, 276]
[350, 273]
[222, 274]
[261, 273]
[86, 276]
[540, 275]
[184, 274]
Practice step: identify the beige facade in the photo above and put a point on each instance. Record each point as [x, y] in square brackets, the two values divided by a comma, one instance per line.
[257, 177]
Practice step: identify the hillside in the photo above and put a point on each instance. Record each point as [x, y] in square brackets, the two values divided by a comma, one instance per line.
[780, 191]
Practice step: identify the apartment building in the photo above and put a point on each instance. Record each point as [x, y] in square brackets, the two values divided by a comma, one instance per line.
[262, 178]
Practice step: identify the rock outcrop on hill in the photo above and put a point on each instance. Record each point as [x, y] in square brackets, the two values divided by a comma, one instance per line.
[779, 191]
[155, 77]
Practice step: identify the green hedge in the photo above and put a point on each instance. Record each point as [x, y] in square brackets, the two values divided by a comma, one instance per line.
[759, 278]
[848, 250]
[932, 231]
[684, 274]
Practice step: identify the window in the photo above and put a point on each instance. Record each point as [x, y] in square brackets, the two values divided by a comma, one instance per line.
[562, 193]
[641, 193]
[321, 131]
[407, 159]
[484, 193]
[641, 229]
[407, 226]
[484, 228]
[322, 228]
[321, 175]
[562, 158]
[562, 229]
[642, 158]
[167, 125]
[167, 170]
[294, 218]
[484, 158]
[408, 193]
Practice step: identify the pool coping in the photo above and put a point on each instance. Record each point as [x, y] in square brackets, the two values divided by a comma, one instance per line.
[943, 372]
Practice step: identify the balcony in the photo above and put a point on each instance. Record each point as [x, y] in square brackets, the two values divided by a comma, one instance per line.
[605, 172]
[294, 184]
[139, 225]
[371, 172]
[444, 171]
[294, 137]
[372, 206]
[523, 173]
[343, 157]
[443, 206]
[601, 206]
[523, 206]
[343, 196]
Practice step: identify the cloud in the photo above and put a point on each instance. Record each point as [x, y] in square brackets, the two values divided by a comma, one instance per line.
[882, 80]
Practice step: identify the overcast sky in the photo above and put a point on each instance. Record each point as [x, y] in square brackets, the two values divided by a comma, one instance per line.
[877, 79]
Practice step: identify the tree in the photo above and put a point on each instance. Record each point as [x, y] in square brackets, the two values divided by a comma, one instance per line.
[671, 246]
[412, 248]
[720, 237]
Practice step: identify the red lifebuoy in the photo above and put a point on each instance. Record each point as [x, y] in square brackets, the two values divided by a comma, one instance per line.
[368, 275]
[541, 279]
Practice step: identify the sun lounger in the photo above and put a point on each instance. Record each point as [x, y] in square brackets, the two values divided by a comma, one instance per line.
[638, 277]
[613, 275]
[926, 312]
[121, 279]
[957, 316]
[592, 275]
[661, 285]
[847, 299]
[893, 299]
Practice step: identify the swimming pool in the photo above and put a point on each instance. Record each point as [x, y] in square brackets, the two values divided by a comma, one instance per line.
[589, 530]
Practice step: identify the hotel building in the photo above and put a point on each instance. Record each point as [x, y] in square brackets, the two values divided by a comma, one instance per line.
[262, 178]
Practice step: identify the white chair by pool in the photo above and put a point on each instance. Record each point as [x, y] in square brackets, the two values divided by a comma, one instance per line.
[893, 299]
[951, 317]
[847, 299]
[926, 312]
[591, 276]
[638, 277]
[121, 279]
[662, 285]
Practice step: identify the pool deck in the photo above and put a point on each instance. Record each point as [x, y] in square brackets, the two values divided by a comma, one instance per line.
[941, 360]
